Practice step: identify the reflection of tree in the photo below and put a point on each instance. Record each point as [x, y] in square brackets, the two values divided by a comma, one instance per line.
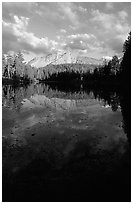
[13, 96]
[125, 103]
[114, 106]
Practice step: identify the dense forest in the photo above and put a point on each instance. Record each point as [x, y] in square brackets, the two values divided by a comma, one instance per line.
[14, 69]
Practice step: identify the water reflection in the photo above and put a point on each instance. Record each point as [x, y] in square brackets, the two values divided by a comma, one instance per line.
[78, 110]
[55, 134]
[13, 96]
[16, 97]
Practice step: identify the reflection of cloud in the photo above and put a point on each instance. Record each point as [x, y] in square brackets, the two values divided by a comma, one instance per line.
[29, 122]
[83, 127]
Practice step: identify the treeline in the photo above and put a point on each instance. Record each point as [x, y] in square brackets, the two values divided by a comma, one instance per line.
[60, 72]
[109, 71]
[14, 69]
[114, 71]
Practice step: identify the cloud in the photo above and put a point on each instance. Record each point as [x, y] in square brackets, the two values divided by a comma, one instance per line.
[48, 10]
[41, 14]
[63, 31]
[84, 10]
[45, 27]
[21, 22]
[17, 8]
[112, 28]
[84, 36]
[15, 36]
[81, 41]
[109, 6]
[110, 22]
[72, 11]
[68, 10]
[115, 44]
[123, 14]
[76, 45]
[58, 37]
[72, 27]
[102, 19]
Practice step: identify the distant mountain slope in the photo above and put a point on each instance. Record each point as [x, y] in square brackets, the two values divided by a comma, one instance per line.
[89, 60]
[67, 57]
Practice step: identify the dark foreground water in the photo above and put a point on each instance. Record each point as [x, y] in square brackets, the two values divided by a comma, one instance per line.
[65, 145]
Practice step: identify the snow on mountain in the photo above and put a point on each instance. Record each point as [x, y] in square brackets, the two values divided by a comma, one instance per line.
[65, 57]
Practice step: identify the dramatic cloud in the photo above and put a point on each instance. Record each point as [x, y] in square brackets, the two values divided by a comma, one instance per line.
[69, 12]
[112, 28]
[26, 40]
[82, 42]
[92, 28]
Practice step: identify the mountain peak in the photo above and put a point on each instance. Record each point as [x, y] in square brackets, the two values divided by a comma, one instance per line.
[63, 57]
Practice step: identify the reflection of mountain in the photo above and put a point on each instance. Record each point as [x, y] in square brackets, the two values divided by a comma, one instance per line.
[48, 96]
[125, 102]
[13, 97]
[66, 57]
[55, 103]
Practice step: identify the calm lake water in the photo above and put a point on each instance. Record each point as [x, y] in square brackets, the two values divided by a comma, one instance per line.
[65, 145]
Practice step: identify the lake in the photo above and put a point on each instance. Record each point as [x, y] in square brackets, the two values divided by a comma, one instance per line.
[64, 144]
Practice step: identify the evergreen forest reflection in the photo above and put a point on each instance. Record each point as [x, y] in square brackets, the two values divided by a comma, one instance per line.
[13, 96]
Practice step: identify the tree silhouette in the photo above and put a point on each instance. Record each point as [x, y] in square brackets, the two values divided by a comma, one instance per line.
[115, 65]
[126, 61]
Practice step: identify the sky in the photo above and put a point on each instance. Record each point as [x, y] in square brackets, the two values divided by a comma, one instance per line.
[93, 29]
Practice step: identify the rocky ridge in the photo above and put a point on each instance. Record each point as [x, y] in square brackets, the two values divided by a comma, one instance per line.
[66, 57]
